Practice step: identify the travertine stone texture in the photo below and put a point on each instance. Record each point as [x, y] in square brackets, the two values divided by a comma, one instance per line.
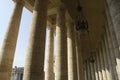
[71, 46]
[110, 53]
[96, 69]
[34, 66]
[102, 63]
[92, 71]
[9, 43]
[89, 70]
[105, 60]
[112, 69]
[85, 71]
[49, 61]
[79, 58]
[113, 44]
[114, 7]
[61, 65]
[99, 66]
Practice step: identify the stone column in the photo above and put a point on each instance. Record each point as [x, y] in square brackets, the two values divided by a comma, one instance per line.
[86, 68]
[112, 39]
[99, 66]
[110, 54]
[61, 65]
[34, 66]
[88, 71]
[91, 69]
[114, 9]
[96, 68]
[9, 42]
[107, 68]
[49, 61]
[102, 63]
[111, 60]
[85, 71]
[72, 60]
[79, 57]
[88, 75]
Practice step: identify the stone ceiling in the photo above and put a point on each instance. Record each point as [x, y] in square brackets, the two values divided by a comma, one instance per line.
[93, 11]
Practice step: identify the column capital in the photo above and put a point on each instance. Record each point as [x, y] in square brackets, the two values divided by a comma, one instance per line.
[19, 1]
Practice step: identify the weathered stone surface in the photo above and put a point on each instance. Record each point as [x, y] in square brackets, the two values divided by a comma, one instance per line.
[49, 59]
[113, 42]
[9, 43]
[34, 66]
[71, 46]
[61, 65]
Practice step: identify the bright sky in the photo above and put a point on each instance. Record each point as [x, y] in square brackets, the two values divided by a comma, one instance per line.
[6, 8]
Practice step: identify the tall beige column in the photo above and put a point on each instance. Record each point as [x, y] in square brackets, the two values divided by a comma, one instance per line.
[9, 43]
[107, 67]
[71, 46]
[49, 61]
[114, 9]
[113, 43]
[111, 60]
[79, 57]
[102, 63]
[88, 71]
[61, 65]
[88, 75]
[99, 66]
[96, 68]
[92, 71]
[110, 53]
[34, 66]
[85, 71]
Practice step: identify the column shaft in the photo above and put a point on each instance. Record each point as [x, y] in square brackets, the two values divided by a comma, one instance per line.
[102, 64]
[79, 58]
[96, 69]
[99, 66]
[114, 9]
[92, 74]
[49, 65]
[92, 71]
[107, 68]
[110, 54]
[86, 67]
[113, 44]
[61, 65]
[34, 66]
[112, 69]
[72, 61]
[9, 43]
[85, 71]
[88, 71]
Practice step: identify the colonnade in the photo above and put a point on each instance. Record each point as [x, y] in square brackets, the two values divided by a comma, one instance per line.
[68, 62]
[107, 57]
